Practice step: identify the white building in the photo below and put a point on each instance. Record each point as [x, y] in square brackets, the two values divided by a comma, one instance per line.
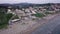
[10, 11]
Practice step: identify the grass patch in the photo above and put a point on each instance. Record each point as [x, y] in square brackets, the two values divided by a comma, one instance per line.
[40, 15]
[57, 12]
[48, 13]
[15, 17]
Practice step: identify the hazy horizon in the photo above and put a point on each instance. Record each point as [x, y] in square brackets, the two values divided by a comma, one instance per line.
[29, 1]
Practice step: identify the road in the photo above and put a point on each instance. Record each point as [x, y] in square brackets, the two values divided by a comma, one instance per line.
[52, 27]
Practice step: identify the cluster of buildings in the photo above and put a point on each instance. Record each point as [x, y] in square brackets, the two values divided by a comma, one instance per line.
[26, 13]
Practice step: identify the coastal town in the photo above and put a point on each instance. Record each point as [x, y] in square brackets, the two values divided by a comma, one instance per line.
[28, 13]
[24, 19]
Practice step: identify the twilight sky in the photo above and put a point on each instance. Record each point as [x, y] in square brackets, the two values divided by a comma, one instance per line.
[29, 1]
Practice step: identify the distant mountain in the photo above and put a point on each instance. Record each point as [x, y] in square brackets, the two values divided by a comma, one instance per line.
[27, 4]
[5, 4]
[31, 4]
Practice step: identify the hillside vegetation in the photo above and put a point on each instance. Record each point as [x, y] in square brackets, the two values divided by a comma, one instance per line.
[4, 18]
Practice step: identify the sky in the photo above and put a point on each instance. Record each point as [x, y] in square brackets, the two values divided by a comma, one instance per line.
[29, 1]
